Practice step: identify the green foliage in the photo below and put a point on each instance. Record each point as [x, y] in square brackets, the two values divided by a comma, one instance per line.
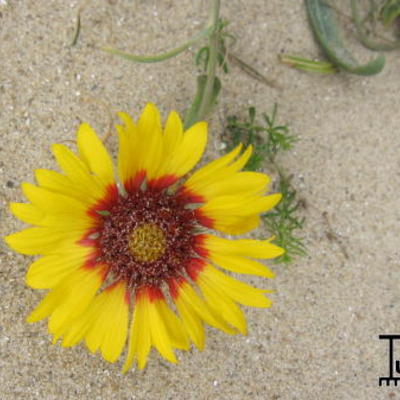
[390, 12]
[373, 21]
[269, 140]
[323, 22]
[203, 55]
[283, 221]
[304, 64]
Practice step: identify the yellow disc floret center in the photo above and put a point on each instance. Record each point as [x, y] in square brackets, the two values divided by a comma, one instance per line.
[147, 242]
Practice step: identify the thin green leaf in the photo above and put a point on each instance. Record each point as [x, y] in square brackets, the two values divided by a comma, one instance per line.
[304, 64]
[326, 31]
[159, 57]
[202, 57]
[390, 11]
[77, 29]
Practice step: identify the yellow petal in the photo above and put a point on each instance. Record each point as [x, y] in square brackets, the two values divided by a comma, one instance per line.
[94, 154]
[149, 120]
[173, 133]
[174, 326]
[159, 334]
[243, 247]
[61, 212]
[109, 315]
[131, 149]
[96, 331]
[217, 171]
[235, 214]
[27, 213]
[40, 240]
[241, 265]
[238, 291]
[65, 222]
[150, 133]
[223, 306]
[185, 296]
[216, 298]
[128, 121]
[189, 151]
[70, 164]
[139, 333]
[241, 161]
[52, 202]
[127, 162]
[61, 184]
[78, 290]
[70, 297]
[238, 226]
[240, 184]
[203, 174]
[114, 341]
[77, 171]
[48, 271]
[230, 224]
[75, 331]
[191, 322]
[239, 205]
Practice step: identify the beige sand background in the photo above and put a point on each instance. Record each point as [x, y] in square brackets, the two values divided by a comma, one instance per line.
[320, 339]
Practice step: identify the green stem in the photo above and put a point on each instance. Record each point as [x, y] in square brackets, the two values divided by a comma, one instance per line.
[208, 85]
[212, 61]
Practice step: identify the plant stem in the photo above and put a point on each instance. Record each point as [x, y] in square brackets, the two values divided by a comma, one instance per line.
[208, 84]
[212, 61]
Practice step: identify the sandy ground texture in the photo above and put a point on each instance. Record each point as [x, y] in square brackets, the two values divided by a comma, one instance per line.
[320, 338]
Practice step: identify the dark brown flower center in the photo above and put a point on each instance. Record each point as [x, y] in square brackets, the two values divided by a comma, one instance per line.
[147, 237]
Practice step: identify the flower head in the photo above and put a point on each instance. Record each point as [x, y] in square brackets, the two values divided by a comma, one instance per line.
[133, 245]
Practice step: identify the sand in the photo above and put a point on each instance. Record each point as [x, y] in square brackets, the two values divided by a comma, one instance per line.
[320, 338]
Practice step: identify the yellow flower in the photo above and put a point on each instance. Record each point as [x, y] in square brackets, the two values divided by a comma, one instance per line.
[144, 240]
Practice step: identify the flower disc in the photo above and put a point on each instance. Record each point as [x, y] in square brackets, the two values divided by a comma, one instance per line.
[147, 237]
